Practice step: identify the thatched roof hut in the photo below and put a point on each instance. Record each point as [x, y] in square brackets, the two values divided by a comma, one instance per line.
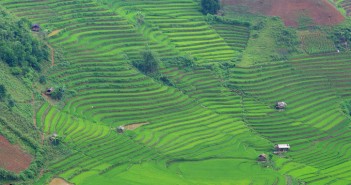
[120, 129]
[54, 139]
[281, 105]
[35, 27]
[280, 148]
[262, 157]
[49, 91]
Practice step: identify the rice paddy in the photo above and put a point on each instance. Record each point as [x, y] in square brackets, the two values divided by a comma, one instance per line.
[198, 131]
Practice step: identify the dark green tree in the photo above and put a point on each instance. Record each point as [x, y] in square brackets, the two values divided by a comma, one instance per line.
[58, 94]
[2, 92]
[149, 63]
[209, 6]
[18, 48]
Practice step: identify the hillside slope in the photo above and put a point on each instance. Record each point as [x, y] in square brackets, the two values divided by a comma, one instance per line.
[204, 119]
[292, 12]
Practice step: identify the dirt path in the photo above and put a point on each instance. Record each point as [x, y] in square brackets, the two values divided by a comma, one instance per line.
[135, 125]
[52, 54]
[59, 181]
[34, 114]
[53, 33]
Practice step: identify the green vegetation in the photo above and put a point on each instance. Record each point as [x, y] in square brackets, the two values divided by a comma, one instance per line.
[203, 87]
[2, 92]
[17, 46]
[314, 42]
[209, 6]
[149, 63]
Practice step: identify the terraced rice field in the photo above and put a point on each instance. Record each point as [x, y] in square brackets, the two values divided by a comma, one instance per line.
[200, 132]
[346, 4]
[314, 42]
[313, 121]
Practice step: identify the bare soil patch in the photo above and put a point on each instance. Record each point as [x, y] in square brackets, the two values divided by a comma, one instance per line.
[59, 181]
[55, 32]
[135, 125]
[12, 158]
[321, 12]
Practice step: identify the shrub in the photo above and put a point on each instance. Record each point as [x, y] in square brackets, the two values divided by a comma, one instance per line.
[16, 71]
[2, 92]
[139, 18]
[184, 62]
[58, 94]
[167, 81]
[42, 79]
[11, 103]
[149, 64]
[209, 6]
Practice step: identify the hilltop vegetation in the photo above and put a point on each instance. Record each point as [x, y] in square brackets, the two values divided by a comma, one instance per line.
[22, 156]
[202, 89]
[18, 47]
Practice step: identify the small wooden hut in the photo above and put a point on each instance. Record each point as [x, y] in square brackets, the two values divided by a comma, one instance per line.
[280, 148]
[49, 91]
[54, 139]
[35, 27]
[120, 129]
[281, 105]
[262, 158]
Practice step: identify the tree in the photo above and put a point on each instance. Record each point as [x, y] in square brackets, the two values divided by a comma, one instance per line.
[2, 92]
[58, 94]
[149, 64]
[42, 79]
[209, 6]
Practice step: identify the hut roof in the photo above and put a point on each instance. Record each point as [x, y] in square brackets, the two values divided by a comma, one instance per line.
[287, 146]
[35, 25]
[120, 129]
[262, 155]
[282, 104]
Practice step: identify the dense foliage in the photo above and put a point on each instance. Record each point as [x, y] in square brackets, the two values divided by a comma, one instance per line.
[2, 92]
[342, 37]
[17, 45]
[209, 6]
[149, 63]
[286, 38]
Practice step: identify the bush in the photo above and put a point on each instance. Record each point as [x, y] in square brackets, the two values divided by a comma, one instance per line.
[149, 64]
[2, 92]
[42, 80]
[58, 94]
[184, 62]
[209, 6]
[11, 103]
[167, 81]
[16, 71]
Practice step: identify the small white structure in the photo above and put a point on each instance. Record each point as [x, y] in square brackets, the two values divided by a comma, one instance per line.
[280, 148]
[120, 129]
[281, 105]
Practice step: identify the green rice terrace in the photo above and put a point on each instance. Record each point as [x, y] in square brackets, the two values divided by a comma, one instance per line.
[173, 92]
